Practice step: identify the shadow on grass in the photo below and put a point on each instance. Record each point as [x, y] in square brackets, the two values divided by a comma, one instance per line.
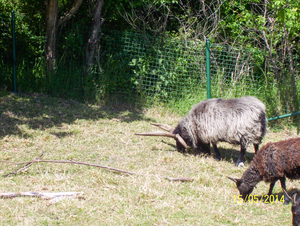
[39, 111]
[231, 155]
[227, 154]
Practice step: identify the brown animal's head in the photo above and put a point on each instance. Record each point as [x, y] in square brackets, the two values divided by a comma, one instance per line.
[244, 189]
[295, 208]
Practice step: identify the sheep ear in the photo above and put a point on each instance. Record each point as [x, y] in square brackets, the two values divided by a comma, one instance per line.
[233, 179]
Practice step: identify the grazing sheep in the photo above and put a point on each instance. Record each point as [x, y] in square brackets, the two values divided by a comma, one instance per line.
[296, 211]
[295, 208]
[239, 121]
[274, 161]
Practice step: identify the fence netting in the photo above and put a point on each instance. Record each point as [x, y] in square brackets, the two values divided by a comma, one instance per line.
[174, 70]
[165, 71]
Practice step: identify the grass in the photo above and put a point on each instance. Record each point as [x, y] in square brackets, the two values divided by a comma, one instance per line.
[69, 130]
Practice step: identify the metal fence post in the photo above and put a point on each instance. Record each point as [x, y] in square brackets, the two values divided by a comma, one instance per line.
[14, 50]
[208, 88]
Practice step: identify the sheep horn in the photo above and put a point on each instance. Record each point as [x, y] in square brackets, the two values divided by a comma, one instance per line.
[294, 198]
[164, 127]
[235, 180]
[165, 134]
[157, 133]
[285, 192]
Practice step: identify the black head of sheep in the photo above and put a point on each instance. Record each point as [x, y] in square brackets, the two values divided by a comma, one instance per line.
[295, 208]
[240, 121]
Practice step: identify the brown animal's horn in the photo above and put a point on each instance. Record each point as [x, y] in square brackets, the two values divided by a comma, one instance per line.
[165, 134]
[235, 180]
[295, 198]
[164, 127]
[285, 192]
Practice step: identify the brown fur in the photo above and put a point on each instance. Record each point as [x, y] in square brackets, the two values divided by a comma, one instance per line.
[279, 159]
[274, 161]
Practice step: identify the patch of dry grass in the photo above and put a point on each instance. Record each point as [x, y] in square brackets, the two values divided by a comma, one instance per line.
[68, 130]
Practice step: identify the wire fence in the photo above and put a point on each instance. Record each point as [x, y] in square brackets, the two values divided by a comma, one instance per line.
[169, 71]
[173, 71]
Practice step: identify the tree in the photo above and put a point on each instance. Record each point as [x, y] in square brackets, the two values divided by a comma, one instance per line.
[273, 28]
[185, 18]
[53, 21]
[94, 35]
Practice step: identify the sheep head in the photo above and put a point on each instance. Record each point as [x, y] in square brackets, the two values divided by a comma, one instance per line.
[244, 189]
[295, 208]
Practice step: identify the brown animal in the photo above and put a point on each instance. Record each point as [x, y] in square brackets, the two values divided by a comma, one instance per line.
[274, 161]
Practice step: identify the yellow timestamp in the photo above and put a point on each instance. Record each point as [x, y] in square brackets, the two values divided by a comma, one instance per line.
[259, 199]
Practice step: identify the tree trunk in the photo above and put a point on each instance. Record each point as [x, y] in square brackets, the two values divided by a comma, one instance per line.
[51, 30]
[94, 35]
[52, 24]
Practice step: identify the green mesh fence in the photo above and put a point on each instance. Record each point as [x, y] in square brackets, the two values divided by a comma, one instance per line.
[164, 71]
[167, 72]
[233, 72]
[173, 72]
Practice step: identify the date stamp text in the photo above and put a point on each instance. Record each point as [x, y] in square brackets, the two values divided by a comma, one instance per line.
[259, 199]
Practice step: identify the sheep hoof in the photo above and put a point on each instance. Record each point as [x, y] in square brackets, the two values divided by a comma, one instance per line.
[240, 164]
[218, 159]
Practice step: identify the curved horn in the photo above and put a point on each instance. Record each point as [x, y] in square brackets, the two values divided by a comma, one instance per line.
[164, 127]
[285, 193]
[179, 138]
[233, 179]
[157, 133]
[165, 134]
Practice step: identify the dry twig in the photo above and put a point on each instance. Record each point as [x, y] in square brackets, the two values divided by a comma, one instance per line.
[44, 195]
[25, 167]
[28, 164]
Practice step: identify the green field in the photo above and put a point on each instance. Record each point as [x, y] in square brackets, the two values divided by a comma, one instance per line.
[104, 135]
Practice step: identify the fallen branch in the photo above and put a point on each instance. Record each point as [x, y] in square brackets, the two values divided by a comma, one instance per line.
[179, 179]
[23, 168]
[44, 195]
[79, 163]
[55, 197]
[37, 160]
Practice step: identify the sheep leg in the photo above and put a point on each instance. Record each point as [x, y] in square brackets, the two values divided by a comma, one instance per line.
[286, 198]
[207, 148]
[256, 147]
[218, 156]
[241, 156]
[197, 151]
[202, 148]
[271, 187]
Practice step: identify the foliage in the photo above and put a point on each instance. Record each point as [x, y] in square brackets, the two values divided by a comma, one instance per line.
[158, 67]
[168, 70]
